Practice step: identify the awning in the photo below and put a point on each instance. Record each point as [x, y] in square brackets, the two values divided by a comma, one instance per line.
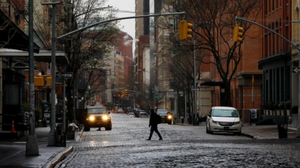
[42, 56]
[11, 36]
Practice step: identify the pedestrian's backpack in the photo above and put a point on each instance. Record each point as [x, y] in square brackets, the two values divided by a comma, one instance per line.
[158, 119]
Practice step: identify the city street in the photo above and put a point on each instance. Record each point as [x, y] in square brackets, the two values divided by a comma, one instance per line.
[182, 146]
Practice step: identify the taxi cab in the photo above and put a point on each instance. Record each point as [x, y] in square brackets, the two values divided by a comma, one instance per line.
[97, 116]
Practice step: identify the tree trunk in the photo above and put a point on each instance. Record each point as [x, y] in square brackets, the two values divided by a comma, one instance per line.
[227, 95]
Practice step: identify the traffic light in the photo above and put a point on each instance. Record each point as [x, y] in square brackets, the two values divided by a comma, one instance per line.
[39, 81]
[185, 30]
[237, 33]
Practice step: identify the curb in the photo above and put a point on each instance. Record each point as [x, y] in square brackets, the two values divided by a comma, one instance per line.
[79, 135]
[248, 135]
[58, 157]
[62, 155]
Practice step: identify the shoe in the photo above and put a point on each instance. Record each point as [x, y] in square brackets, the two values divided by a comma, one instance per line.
[148, 139]
[160, 139]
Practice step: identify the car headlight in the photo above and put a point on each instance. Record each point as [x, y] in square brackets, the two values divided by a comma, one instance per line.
[169, 117]
[92, 118]
[105, 117]
[237, 123]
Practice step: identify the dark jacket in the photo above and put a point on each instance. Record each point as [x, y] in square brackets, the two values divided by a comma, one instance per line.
[153, 118]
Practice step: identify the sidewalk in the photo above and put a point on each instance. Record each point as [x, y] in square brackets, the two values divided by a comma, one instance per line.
[12, 152]
[266, 132]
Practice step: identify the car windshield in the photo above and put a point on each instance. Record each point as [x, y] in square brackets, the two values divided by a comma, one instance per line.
[96, 111]
[162, 111]
[224, 113]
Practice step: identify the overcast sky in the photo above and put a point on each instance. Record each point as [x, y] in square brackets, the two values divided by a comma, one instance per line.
[127, 25]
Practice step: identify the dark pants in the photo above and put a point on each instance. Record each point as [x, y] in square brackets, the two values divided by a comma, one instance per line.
[154, 128]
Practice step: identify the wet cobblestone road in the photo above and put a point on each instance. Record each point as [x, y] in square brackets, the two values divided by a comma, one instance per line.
[183, 146]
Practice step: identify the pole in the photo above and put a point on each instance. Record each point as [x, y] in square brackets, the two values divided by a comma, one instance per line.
[195, 89]
[298, 127]
[134, 97]
[64, 111]
[185, 108]
[32, 142]
[51, 136]
[74, 99]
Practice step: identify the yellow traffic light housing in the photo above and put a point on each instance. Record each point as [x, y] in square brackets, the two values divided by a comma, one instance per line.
[49, 81]
[185, 30]
[39, 81]
[237, 33]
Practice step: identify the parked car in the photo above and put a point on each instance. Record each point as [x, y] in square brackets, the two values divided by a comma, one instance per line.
[166, 115]
[143, 114]
[137, 112]
[120, 110]
[223, 119]
[97, 116]
[131, 114]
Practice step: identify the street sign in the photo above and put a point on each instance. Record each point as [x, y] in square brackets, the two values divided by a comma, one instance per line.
[296, 70]
[65, 75]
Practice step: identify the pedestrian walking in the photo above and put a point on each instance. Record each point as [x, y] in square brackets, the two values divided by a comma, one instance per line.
[153, 122]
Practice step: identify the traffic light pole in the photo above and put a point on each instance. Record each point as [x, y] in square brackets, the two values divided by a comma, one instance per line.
[297, 47]
[298, 127]
[32, 148]
[51, 136]
[195, 89]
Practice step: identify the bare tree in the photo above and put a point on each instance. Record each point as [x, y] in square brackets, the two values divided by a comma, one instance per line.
[213, 22]
[5, 40]
[87, 47]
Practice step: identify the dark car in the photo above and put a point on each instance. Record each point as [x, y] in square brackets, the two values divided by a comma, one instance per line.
[143, 114]
[97, 116]
[166, 115]
[137, 112]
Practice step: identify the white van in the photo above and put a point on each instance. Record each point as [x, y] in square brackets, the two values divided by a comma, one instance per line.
[223, 119]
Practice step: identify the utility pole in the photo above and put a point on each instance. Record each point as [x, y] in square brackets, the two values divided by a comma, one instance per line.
[64, 112]
[298, 127]
[32, 148]
[51, 136]
[195, 89]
